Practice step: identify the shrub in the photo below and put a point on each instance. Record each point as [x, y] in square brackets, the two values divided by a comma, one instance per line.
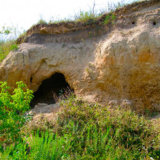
[12, 109]
[100, 131]
[89, 131]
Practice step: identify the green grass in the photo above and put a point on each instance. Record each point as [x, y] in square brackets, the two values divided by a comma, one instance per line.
[6, 47]
[82, 16]
[41, 21]
[89, 132]
[86, 16]
[92, 15]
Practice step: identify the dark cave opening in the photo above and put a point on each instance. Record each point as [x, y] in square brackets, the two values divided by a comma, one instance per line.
[154, 23]
[51, 89]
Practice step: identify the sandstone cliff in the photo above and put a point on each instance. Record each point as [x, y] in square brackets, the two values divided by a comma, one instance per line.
[114, 63]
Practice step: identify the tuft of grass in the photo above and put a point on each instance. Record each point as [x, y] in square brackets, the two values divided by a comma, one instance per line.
[65, 20]
[109, 18]
[85, 16]
[42, 21]
[6, 47]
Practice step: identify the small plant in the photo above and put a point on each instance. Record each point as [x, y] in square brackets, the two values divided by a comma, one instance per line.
[14, 47]
[12, 109]
[41, 21]
[56, 21]
[85, 17]
[109, 18]
[6, 30]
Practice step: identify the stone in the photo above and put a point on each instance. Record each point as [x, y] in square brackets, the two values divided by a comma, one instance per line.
[44, 108]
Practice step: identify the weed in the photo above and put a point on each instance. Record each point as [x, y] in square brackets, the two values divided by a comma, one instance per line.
[41, 21]
[109, 19]
[85, 16]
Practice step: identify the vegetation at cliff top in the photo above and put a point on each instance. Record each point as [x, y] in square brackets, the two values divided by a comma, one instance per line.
[92, 14]
[82, 131]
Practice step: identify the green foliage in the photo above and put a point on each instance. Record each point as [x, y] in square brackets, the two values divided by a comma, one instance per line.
[42, 147]
[85, 16]
[127, 134]
[57, 21]
[6, 30]
[41, 21]
[82, 16]
[12, 109]
[6, 47]
[109, 19]
[13, 47]
[89, 131]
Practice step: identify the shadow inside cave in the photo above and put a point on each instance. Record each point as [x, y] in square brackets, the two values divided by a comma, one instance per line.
[51, 90]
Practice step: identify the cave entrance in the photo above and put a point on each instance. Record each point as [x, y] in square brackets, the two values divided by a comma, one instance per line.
[51, 90]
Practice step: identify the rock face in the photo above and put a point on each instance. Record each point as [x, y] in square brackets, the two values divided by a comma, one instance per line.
[117, 62]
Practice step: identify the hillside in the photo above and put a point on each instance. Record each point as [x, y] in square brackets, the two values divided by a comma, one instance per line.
[89, 90]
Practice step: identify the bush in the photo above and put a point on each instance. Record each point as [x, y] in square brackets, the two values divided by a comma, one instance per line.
[98, 131]
[12, 109]
[91, 132]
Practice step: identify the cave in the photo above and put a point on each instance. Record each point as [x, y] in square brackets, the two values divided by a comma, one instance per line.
[51, 90]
